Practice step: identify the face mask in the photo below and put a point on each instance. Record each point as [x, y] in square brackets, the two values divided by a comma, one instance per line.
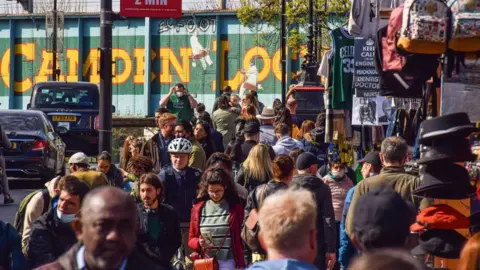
[179, 94]
[338, 174]
[65, 218]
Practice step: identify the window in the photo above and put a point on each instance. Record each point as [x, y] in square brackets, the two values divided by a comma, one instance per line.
[72, 97]
[19, 122]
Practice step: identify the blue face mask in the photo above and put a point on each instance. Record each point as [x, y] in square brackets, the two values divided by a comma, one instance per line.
[65, 218]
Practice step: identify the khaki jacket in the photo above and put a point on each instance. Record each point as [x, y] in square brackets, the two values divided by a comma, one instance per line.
[390, 177]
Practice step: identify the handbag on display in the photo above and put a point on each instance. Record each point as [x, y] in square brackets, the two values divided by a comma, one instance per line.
[424, 27]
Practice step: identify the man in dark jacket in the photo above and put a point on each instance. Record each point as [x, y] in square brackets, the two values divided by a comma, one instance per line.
[159, 235]
[156, 147]
[52, 234]
[180, 180]
[314, 142]
[251, 132]
[307, 166]
[107, 233]
[11, 256]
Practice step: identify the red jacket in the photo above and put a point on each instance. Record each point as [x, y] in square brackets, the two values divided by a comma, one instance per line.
[236, 214]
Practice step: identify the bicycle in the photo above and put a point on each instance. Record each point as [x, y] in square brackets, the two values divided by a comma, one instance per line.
[180, 260]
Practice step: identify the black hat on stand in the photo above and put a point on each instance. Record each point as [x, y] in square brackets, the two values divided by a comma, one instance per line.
[446, 150]
[445, 181]
[456, 125]
[441, 243]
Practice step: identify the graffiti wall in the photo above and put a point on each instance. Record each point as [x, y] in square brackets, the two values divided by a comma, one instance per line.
[203, 52]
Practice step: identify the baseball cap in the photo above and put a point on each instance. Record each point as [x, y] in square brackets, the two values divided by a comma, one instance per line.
[372, 158]
[377, 214]
[251, 128]
[78, 158]
[305, 160]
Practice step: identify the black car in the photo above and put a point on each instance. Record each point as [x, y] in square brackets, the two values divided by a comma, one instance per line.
[73, 110]
[37, 151]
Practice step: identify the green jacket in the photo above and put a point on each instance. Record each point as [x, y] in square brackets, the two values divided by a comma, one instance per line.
[198, 158]
[390, 177]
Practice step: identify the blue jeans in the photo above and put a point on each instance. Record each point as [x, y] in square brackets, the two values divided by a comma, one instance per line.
[391, 122]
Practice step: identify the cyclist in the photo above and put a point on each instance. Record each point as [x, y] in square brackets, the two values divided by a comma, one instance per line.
[179, 179]
[180, 182]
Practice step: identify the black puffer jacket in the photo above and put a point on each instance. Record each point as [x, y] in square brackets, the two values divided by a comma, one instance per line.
[50, 238]
[114, 176]
[326, 216]
[164, 247]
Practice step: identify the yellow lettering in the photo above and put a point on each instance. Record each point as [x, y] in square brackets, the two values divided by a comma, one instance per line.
[121, 54]
[46, 68]
[263, 54]
[183, 71]
[28, 51]
[139, 55]
[4, 68]
[72, 58]
[92, 64]
[237, 79]
[277, 67]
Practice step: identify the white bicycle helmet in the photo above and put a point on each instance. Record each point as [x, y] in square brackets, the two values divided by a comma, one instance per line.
[180, 145]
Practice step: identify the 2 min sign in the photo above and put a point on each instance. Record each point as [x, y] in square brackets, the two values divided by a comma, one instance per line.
[151, 8]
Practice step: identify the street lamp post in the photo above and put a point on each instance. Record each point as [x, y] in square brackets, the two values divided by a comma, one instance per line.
[311, 77]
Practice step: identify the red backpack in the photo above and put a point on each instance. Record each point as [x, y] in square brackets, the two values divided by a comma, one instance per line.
[392, 60]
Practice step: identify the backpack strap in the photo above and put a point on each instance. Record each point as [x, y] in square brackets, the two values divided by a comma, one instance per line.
[46, 200]
[262, 195]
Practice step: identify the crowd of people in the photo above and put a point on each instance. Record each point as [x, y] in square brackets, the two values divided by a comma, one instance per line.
[253, 186]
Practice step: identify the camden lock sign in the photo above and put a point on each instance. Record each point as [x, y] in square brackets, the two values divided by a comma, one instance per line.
[365, 76]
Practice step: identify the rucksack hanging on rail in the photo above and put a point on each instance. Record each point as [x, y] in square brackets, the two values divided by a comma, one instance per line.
[465, 25]
[424, 27]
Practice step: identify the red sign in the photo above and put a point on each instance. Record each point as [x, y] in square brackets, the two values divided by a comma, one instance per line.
[151, 8]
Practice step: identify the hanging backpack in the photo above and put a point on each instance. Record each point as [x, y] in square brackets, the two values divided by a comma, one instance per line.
[251, 229]
[465, 25]
[405, 74]
[22, 208]
[424, 27]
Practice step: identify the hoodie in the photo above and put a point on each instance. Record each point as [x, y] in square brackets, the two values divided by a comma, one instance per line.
[286, 264]
[326, 216]
[285, 145]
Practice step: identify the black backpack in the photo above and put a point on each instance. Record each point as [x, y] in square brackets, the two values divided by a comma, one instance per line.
[22, 208]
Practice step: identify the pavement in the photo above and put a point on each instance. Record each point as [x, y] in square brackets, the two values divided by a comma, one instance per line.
[8, 211]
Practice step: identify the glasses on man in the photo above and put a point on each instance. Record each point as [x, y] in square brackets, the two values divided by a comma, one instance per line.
[216, 192]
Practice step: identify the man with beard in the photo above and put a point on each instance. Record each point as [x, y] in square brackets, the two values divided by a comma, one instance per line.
[181, 104]
[159, 234]
[106, 231]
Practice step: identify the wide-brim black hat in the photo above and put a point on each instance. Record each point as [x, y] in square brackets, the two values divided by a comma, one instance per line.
[458, 150]
[442, 243]
[451, 125]
[444, 181]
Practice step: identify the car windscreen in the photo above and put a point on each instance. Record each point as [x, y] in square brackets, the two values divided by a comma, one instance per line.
[20, 122]
[73, 97]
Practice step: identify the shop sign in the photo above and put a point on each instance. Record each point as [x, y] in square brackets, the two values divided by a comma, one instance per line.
[151, 8]
[365, 76]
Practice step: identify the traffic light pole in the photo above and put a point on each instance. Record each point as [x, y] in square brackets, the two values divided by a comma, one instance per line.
[106, 21]
[54, 41]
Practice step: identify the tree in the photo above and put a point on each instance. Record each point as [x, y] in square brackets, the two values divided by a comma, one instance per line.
[326, 14]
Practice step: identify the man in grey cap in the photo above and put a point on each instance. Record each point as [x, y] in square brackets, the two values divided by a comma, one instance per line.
[307, 166]
[78, 166]
[267, 132]
[251, 132]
